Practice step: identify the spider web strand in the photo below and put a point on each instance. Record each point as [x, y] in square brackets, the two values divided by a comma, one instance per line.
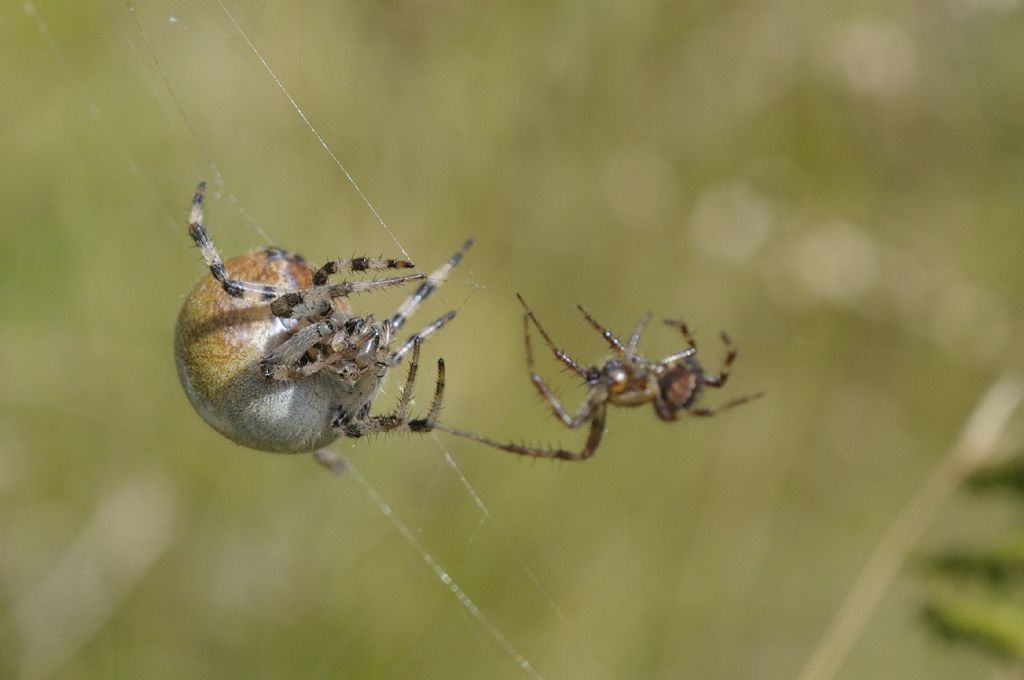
[309, 124]
[486, 516]
[218, 176]
[442, 575]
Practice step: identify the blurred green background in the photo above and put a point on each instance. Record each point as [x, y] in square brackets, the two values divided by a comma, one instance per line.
[837, 185]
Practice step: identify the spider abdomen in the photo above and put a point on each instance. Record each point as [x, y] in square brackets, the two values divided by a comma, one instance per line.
[679, 386]
[219, 343]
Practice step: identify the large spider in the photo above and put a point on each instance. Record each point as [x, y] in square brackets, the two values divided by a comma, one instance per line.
[673, 385]
[272, 356]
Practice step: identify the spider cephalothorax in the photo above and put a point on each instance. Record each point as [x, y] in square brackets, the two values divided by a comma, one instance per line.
[273, 357]
[673, 385]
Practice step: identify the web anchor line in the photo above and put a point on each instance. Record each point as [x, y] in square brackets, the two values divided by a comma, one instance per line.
[439, 571]
[309, 124]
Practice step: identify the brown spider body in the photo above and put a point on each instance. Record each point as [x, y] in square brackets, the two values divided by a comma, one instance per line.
[674, 385]
[670, 387]
[272, 356]
[219, 343]
[679, 386]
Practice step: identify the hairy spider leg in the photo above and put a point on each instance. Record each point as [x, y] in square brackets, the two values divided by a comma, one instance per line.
[319, 300]
[283, 362]
[413, 302]
[634, 339]
[357, 264]
[427, 424]
[257, 291]
[561, 355]
[609, 337]
[435, 279]
[723, 373]
[597, 396]
[706, 412]
[685, 330]
[730, 354]
[419, 336]
[691, 344]
[240, 289]
[594, 408]
[597, 426]
[399, 419]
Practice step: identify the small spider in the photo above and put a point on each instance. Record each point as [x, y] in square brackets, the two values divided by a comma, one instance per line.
[674, 385]
[272, 356]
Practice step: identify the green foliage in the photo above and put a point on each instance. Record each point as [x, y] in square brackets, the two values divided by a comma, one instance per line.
[1001, 566]
[1008, 475]
[979, 593]
[990, 623]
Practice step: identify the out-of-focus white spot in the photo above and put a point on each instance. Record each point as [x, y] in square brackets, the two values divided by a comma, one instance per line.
[640, 187]
[172, 19]
[838, 262]
[732, 222]
[876, 59]
[934, 300]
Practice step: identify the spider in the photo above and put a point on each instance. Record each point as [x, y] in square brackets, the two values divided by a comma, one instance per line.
[674, 385]
[272, 356]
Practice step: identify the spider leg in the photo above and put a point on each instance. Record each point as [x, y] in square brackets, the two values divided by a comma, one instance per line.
[687, 336]
[284, 362]
[708, 412]
[559, 354]
[672, 358]
[720, 380]
[609, 337]
[421, 335]
[286, 302]
[412, 303]
[634, 339]
[598, 394]
[399, 417]
[427, 424]
[723, 373]
[318, 301]
[593, 409]
[357, 264]
[435, 279]
[435, 404]
[233, 287]
[598, 397]
[597, 426]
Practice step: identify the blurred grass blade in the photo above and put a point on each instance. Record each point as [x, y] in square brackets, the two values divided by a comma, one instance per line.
[77, 596]
[978, 441]
[996, 626]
